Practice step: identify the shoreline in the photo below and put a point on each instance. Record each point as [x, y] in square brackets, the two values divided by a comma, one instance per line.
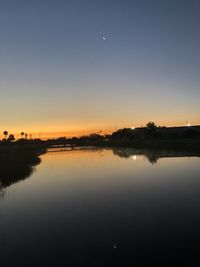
[17, 163]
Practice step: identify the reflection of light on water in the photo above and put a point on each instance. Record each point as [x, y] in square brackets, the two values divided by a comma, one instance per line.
[115, 245]
[134, 157]
[2, 193]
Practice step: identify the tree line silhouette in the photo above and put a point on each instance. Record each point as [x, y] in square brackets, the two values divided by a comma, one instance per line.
[11, 137]
[149, 136]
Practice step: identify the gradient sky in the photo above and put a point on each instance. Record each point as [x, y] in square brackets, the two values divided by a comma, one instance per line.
[57, 74]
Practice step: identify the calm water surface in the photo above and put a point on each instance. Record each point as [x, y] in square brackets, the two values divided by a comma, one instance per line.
[95, 207]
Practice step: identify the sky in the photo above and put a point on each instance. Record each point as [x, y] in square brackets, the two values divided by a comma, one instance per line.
[80, 66]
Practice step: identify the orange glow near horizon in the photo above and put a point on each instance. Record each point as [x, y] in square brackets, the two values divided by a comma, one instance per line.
[56, 132]
[45, 135]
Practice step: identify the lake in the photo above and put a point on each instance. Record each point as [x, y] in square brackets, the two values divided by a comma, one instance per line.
[103, 207]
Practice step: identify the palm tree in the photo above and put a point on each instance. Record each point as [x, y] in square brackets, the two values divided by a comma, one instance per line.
[22, 134]
[5, 133]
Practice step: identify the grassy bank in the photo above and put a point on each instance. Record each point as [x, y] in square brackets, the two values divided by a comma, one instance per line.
[187, 145]
[17, 161]
[20, 154]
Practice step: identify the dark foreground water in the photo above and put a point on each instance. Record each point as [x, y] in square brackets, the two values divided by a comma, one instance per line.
[103, 208]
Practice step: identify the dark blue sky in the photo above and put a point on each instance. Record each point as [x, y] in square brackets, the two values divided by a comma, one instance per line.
[57, 73]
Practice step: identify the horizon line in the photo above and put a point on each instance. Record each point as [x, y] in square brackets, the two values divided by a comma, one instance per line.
[78, 133]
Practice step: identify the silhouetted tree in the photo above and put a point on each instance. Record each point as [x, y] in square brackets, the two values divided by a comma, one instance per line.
[22, 134]
[11, 138]
[5, 133]
[151, 125]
